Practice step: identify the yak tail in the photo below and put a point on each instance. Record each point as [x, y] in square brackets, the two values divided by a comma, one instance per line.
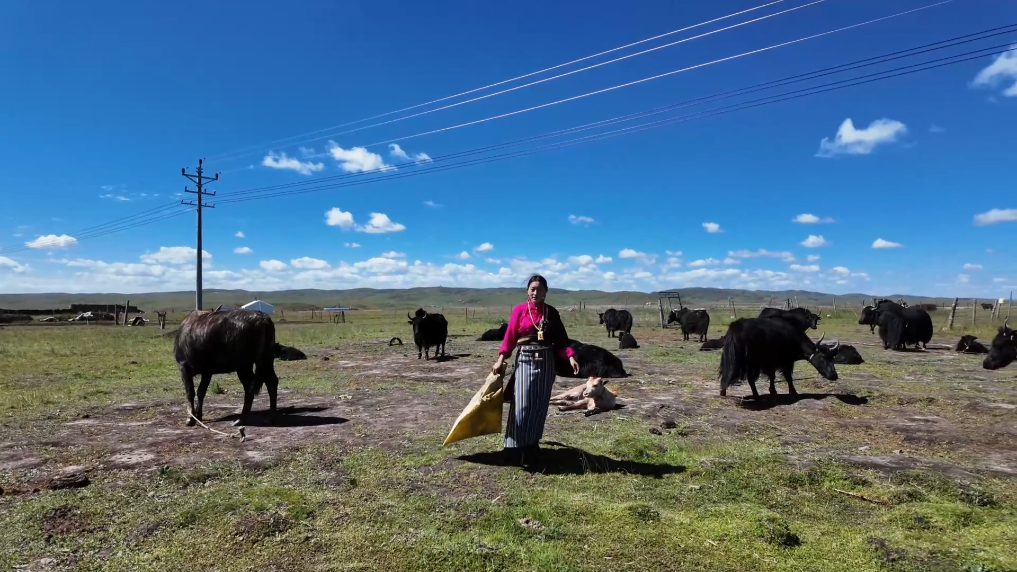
[733, 357]
[264, 367]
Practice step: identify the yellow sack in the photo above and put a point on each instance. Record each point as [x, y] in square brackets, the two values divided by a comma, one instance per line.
[483, 414]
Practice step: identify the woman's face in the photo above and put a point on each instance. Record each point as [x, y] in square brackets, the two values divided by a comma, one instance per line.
[535, 292]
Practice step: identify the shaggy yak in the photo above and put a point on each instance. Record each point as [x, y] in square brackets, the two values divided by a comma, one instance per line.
[627, 342]
[212, 342]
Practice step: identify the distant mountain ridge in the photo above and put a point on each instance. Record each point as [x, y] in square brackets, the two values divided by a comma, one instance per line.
[411, 298]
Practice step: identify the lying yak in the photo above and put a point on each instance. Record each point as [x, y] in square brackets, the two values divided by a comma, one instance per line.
[494, 334]
[627, 342]
[844, 354]
[214, 342]
[968, 345]
[716, 344]
[288, 353]
[593, 396]
[1004, 348]
[594, 361]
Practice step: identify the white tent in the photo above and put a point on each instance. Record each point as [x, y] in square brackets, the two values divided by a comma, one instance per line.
[258, 305]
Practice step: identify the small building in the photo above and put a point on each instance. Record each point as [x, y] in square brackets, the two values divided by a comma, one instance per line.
[259, 306]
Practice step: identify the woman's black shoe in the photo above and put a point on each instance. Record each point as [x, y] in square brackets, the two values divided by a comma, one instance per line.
[530, 458]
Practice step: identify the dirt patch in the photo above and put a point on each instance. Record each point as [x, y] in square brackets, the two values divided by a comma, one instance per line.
[64, 520]
[255, 527]
[390, 399]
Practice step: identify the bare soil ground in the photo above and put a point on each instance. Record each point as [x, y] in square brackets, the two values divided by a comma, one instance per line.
[943, 412]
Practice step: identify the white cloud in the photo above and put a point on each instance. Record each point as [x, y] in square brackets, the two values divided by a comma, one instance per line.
[970, 266]
[432, 204]
[357, 159]
[862, 275]
[840, 270]
[706, 262]
[272, 265]
[712, 227]
[762, 253]
[13, 265]
[670, 253]
[580, 219]
[582, 260]
[609, 276]
[393, 254]
[462, 255]
[309, 263]
[628, 253]
[492, 260]
[852, 141]
[486, 247]
[281, 161]
[813, 257]
[306, 151]
[336, 217]
[806, 218]
[814, 241]
[1000, 280]
[809, 268]
[1002, 69]
[239, 234]
[397, 152]
[380, 265]
[880, 243]
[352, 245]
[996, 215]
[174, 255]
[730, 260]
[242, 250]
[381, 224]
[603, 259]
[52, 241]
[963, 278]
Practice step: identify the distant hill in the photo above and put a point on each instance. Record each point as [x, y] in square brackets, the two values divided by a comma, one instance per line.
[411, 298]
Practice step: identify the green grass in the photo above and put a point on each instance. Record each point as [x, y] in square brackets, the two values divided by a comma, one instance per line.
[694, 498]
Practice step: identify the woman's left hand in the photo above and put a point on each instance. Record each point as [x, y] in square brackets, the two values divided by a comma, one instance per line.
[575, 365]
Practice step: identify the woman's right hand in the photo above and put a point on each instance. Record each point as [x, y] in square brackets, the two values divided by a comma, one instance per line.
[499, 365]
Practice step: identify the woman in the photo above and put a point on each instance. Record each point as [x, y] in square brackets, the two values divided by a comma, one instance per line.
[537, 330]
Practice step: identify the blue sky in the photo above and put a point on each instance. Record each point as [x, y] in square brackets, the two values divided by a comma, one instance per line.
[101, 105]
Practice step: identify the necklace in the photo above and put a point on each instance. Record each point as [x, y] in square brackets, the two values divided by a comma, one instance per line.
[539, 326]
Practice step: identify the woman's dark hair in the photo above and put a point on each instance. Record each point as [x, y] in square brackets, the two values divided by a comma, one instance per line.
[537, 278]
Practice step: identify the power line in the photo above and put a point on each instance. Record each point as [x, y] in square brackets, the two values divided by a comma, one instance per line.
[525, 85]
[866, 62]
[651, 78]
[638, 128]
[229, 154]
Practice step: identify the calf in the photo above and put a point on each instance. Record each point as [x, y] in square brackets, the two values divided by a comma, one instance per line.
[594, 361]
[1004, 349]
[765, 345]
[428, 330]
[240, 341]
[593, 396]
[287, 353]
[627, 342]
[494, 334]
[713, 344]
[692, 322]
[616, 321]
[968, 345]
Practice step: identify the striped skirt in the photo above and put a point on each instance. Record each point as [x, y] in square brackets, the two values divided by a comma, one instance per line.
[534, 380]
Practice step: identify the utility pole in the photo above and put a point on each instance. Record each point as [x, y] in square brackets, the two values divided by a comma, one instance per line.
[198, 179]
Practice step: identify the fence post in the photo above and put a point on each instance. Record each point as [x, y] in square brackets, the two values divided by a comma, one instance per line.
[127, 311]
[974, 307]
[953, 313]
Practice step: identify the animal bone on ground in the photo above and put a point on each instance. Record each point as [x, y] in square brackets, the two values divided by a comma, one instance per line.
[593, 396]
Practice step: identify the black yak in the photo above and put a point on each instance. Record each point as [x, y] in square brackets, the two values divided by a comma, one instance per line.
[494, 334]
[801, 317]
[1004, 348]
[287, 353]
[765, 345]
[627, 342]
[900, 326]
[869, 317]
[844, 354]
[713, 344]
[240, 341]
[692, 322]
[616, 321]
[967, 344]
[428, 330]
[594, 361]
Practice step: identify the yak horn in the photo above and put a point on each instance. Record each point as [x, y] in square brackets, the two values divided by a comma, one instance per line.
[821, 338]
[408, 316]
[837, 346]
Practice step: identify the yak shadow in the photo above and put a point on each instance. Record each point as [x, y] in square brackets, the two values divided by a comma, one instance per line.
[288, 417]
[566, 460]
[767, 401]
[449, 357]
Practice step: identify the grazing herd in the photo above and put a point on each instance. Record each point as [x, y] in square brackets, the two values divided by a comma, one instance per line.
[243, 342]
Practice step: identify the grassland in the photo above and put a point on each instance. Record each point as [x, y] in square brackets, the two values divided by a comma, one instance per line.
[354, 477]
